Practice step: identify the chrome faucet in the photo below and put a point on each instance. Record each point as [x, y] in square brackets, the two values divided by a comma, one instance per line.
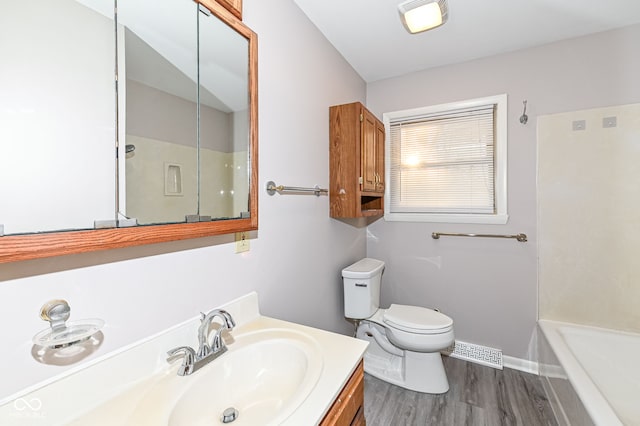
[193, 360]
[204, 348]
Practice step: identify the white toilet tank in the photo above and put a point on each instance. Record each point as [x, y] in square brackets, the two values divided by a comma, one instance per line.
[362, 288]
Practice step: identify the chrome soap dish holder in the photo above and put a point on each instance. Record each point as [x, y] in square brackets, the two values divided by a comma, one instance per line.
[62, 333]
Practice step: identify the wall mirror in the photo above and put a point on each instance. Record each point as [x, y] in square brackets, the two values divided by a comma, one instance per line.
[179, 162]
[57, 116]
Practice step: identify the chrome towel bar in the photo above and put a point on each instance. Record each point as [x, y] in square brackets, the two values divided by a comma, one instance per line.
[272, 188]
[520, 237]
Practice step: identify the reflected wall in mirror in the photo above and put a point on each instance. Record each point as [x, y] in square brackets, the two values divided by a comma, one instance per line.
[225, 127]
[57, 116]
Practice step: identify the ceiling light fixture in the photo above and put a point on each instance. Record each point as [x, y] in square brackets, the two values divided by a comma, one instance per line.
[423, 15]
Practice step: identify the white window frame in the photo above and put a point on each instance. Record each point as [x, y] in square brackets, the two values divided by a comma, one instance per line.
[500, 216]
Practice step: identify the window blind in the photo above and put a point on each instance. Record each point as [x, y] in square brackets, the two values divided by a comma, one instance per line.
[444, 162]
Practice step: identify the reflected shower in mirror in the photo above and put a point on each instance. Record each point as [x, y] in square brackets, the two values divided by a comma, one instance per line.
[158, 81]
[186, 114]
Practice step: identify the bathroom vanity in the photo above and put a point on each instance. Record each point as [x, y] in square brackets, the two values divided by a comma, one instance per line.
[273, 372]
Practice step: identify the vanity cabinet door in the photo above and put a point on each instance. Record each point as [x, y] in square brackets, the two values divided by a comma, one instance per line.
[348, 408]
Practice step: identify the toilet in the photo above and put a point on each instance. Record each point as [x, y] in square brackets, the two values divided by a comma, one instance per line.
[404, 341]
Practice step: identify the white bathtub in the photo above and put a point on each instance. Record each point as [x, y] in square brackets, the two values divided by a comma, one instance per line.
[601, 365]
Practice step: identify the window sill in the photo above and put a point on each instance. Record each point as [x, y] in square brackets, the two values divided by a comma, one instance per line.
[496, 219]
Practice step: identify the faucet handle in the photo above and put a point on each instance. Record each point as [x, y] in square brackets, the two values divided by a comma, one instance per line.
[187, 362]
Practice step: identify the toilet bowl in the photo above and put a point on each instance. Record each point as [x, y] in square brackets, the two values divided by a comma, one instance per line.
[418, 329]
[405, 341]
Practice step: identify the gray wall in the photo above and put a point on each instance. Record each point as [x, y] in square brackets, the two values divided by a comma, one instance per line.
[489, 287]
[295, 260]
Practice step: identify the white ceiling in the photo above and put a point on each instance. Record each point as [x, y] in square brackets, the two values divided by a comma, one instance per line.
[369, 34]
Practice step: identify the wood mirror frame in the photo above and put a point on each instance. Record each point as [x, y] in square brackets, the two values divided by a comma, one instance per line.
[33, 246]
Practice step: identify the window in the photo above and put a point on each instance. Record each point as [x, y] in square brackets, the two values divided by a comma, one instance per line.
[448, 163]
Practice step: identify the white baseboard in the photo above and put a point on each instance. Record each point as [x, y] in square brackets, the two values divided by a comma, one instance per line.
[552, 371]
[520, 364]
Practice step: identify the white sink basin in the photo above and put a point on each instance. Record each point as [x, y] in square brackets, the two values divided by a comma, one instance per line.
[264, 379]
[265, 375]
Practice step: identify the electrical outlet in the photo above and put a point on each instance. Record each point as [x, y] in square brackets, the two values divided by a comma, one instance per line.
[242, 242]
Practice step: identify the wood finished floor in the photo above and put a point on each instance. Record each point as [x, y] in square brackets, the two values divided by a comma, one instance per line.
[477, 396]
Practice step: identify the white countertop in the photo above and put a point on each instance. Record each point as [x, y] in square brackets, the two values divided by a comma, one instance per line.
[93, 386]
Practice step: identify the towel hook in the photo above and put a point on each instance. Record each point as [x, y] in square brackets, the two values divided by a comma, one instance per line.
[524, 117]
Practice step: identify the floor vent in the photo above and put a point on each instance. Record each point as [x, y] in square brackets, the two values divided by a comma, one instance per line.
[475, 353]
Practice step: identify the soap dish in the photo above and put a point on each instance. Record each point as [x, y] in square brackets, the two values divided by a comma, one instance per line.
[63, 333]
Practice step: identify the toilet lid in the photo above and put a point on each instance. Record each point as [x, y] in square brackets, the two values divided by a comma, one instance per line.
[417, 319]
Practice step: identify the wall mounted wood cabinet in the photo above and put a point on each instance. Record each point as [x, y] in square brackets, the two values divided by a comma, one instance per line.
[356, 155]
[348, 408]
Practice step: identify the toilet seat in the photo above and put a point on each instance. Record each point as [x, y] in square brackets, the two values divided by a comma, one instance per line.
[416, 319]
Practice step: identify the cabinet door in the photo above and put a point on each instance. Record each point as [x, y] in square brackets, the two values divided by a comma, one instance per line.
[379, 169]
[348, 407]
[369, 152]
